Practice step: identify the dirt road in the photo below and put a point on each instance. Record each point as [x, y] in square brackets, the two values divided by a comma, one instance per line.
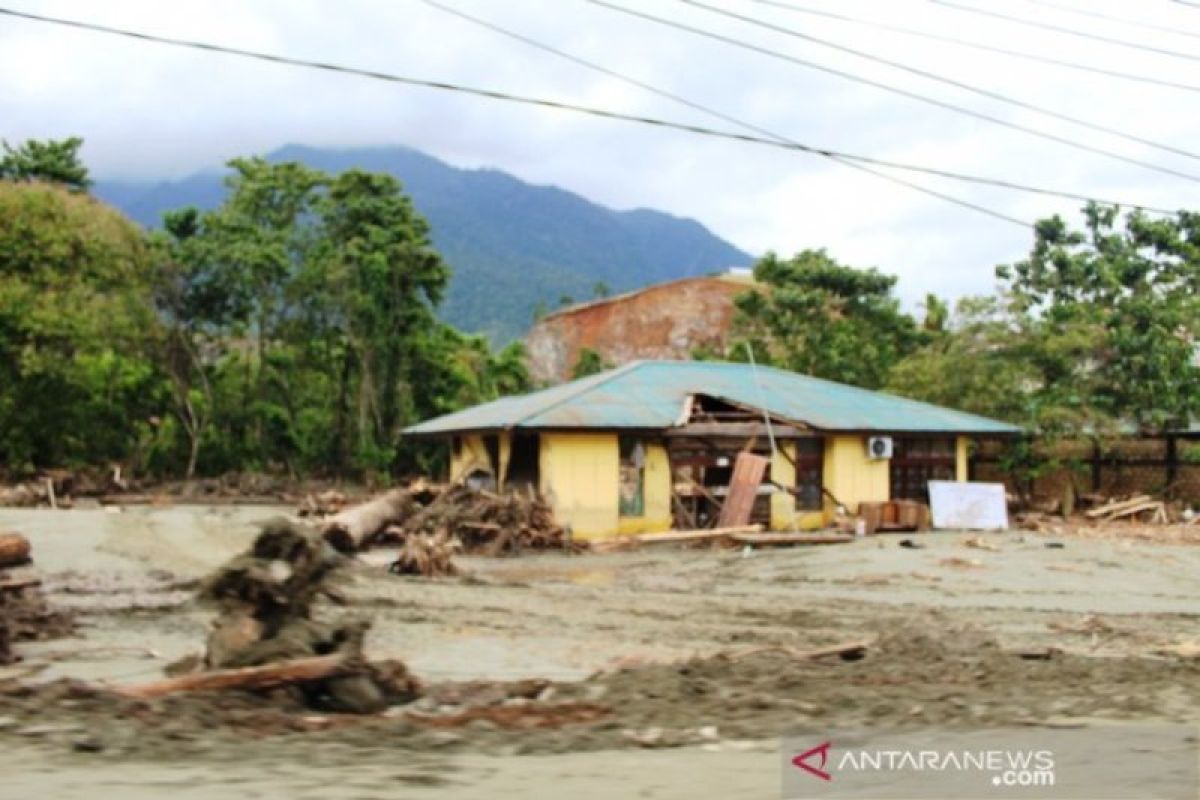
[1013, 633]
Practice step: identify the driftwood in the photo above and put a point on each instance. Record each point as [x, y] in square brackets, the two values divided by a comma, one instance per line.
[350, 529]
[760, 539]
[1117, 508]
[300, 670]
[14, 550]
[846, 650]
[425, 555]
[695, 536]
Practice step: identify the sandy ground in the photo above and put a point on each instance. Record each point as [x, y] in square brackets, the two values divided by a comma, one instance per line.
[949, 618]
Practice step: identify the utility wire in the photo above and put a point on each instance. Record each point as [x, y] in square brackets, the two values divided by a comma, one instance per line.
[1068, 31]
[853, 161]
[843, 160]
[1113, 18]
[974, 45]
[933, 76]
[896, 90]
[596, 112]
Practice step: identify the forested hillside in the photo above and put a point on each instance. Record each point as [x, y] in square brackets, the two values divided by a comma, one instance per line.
[511, 247]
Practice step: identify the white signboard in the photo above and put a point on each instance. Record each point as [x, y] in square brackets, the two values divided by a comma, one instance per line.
[968, 506]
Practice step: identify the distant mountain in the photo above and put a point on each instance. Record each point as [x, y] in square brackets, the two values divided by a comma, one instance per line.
[511, 244]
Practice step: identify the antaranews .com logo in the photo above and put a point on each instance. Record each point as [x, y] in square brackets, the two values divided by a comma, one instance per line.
[1003, 767]
[1093, 761]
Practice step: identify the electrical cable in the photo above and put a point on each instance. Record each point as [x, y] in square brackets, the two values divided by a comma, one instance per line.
[896, 90]
[975, 45]
[933, 76]
[1068, 31]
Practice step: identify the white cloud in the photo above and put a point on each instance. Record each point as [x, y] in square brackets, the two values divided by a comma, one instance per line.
[151, 111]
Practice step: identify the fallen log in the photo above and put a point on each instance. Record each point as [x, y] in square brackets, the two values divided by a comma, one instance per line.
[846, 650]
[695, 536]
[14, 550]
[350, 529]
[300, 670]
[760, 539]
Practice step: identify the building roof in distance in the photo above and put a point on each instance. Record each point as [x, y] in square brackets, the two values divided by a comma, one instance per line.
[646, 395]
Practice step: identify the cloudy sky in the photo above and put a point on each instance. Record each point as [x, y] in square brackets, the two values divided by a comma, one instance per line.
[151, 111]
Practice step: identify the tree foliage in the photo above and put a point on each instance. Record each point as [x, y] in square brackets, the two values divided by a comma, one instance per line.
[813, 315]
[53, 161]
[292, 328]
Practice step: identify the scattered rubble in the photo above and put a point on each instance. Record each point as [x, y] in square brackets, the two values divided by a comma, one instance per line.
[24, 613]
[432, 522]
[267, 634]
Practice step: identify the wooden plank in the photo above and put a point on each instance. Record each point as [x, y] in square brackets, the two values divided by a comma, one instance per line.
[1117, 506]
[748, 472]
[760, 539]
[300, 670]
[695, 536]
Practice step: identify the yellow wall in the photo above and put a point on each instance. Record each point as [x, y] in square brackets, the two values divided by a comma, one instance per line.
[472, 455]
[784, 515]
[579, 473]
[851, 476]
[656, 492]
[960, 458]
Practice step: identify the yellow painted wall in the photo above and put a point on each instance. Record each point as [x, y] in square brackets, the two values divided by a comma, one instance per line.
[656, 492]
[851, 476]
[784, 514]
[960, 458]
[579, 473]
[470, 457]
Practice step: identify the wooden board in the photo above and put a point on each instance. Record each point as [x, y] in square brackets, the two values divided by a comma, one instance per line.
[695, 536]
[748, 473]
[761, 539]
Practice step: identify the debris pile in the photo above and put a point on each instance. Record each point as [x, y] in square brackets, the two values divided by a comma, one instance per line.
[267, 635]
[431, 556]
[448, 518]
[1138, 516]
[24, 613]
[486, 523]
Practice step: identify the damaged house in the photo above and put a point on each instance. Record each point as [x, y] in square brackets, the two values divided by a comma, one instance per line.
[651, 445]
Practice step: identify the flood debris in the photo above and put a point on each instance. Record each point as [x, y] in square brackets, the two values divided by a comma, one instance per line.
[268, 634]
[481, 522]
[25, 615]
[427, 556]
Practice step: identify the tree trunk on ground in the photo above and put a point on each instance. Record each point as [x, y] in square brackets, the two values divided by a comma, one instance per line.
[14, 550]
[350, 529]
[300, 670]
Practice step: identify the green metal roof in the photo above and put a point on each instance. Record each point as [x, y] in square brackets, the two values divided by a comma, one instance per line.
[651, 394]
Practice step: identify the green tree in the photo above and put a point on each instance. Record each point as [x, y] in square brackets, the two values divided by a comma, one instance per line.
[601, 289]
[589, 363]
[813, 315]
[1135, 281]
[52, 161]
[75, 330]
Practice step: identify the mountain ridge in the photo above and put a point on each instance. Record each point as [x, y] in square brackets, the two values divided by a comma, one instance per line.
[513, 246]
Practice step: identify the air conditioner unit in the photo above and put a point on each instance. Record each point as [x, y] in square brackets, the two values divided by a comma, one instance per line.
[879, 447]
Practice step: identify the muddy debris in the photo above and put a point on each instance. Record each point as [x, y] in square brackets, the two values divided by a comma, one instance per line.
[25, 614]
[481, 522]
[268, 633]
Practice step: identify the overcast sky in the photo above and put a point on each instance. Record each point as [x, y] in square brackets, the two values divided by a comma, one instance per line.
[150, 111]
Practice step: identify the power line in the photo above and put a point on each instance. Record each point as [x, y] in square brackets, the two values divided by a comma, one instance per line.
[1068, 31]
[840, 159]
[933, 76]
[504, 96]
[896, 90]
[1113, 18]
[981, 46]
[854, 161]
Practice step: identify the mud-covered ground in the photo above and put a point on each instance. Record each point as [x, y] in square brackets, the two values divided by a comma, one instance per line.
[656, 673]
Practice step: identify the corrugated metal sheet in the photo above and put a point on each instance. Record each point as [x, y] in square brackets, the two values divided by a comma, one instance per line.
[650, 394]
